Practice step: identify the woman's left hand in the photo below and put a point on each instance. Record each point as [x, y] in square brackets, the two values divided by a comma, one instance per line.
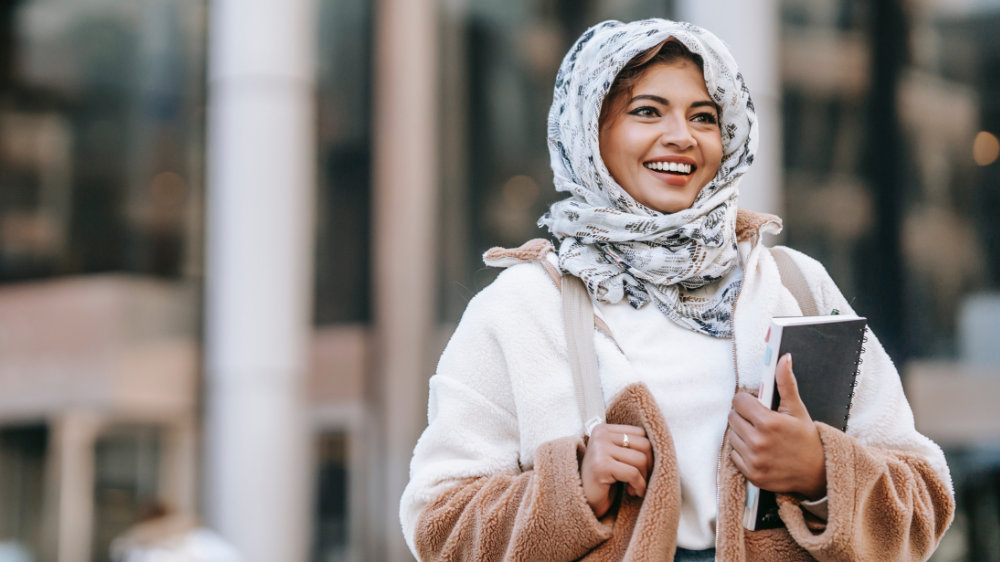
[778, 450]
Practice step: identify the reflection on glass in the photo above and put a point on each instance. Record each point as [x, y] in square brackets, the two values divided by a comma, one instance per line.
[101, 169]
[127, 466]
[890, 116]
[343, 222]
[330, 543]
[104, 101]
[22, 487]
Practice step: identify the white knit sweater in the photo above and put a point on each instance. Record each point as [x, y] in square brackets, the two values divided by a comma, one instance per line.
[504, 386]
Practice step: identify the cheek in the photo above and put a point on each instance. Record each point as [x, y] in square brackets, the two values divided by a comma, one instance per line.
[713, 154]
[634, 139]
[615, 149]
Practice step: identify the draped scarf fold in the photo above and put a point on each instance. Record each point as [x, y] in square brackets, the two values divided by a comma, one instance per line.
[686, 263]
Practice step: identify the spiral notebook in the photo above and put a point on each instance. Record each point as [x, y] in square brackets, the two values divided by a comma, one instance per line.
[826, 353]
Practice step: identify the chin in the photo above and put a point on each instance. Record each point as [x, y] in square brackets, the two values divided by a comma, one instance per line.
[669, 207]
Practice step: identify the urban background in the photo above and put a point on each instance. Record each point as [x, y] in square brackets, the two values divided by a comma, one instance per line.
[235, 235]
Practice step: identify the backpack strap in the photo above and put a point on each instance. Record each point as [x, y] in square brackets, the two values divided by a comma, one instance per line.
[794, 281]
[537, 251]
[579, 322]
[578, 317]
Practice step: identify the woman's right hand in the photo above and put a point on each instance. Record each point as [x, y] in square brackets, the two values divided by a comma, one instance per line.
[608, 461]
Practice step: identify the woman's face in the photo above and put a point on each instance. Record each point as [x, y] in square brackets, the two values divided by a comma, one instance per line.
[663, 145]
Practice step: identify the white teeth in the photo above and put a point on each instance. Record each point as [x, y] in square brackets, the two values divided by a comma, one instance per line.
[669, 167]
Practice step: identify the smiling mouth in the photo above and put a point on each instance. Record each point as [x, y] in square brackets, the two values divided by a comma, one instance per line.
[676, 168]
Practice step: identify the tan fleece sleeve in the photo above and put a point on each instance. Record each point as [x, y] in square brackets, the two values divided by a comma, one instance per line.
[883, 504]
[540, 514]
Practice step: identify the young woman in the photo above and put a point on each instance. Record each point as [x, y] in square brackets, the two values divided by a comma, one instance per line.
[650, 130]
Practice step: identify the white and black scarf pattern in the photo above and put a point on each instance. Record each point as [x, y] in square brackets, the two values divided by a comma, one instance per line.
[685, 262]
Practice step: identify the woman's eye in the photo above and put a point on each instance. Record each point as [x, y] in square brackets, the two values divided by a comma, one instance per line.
[706, 118]
[644, 111]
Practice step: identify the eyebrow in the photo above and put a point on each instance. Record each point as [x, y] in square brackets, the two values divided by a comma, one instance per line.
[663, 101]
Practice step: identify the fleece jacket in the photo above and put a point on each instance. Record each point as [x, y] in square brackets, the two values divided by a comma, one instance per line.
[495, 476]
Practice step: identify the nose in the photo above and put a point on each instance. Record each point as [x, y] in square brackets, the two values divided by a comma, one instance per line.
[677, 132]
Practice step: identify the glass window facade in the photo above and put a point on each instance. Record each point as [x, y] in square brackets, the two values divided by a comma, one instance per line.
[344, 94]
[101, 246]
[891, 169]
[331, 537]
[127, 477]
[101, 151]
[23, 451]
[892, 182]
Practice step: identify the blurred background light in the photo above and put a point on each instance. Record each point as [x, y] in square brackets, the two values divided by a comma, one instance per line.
[986, 148]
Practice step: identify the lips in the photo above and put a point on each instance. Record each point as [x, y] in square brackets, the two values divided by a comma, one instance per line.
[674, 170]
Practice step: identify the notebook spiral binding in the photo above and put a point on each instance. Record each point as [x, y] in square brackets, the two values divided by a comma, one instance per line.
[857, 369]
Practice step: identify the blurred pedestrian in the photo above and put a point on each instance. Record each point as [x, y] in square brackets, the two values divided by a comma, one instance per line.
[163, 534]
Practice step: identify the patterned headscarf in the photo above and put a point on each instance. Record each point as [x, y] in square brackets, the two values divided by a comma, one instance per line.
[685, 262]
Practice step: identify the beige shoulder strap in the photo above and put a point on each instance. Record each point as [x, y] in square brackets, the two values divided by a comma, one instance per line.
[795, 282]
[578, 317]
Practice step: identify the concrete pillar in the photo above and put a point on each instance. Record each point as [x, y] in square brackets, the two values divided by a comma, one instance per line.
[405, 203]
[752, 31]
[259, 229]
[74, 436]
[178, 483]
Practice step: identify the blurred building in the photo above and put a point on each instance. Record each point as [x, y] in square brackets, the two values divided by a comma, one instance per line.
[139, 359]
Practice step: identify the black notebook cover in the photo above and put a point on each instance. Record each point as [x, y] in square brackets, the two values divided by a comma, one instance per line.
[825, 360]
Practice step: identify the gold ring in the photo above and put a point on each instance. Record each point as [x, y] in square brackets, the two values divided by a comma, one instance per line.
[625, 440]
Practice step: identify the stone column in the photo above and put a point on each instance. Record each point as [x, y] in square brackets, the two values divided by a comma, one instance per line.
[71, 470]
[179, 482]
[405, 203]
[260, 237]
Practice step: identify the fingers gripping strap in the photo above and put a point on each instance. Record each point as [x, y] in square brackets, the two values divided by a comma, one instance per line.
[578, 317]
